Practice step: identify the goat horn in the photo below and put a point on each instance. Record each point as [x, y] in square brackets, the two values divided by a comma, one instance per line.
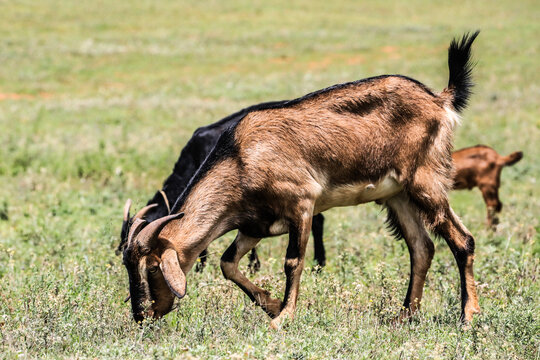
[135, 229]
[149, 234]
[127, 206]
[172, 272]
[166, 200]
[144, 210]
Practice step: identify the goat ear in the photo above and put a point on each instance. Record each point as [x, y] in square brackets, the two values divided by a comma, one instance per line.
[172, 272]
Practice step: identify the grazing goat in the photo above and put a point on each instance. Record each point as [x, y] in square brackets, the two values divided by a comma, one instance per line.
[191, 157]
[481, 166]
[386, 139]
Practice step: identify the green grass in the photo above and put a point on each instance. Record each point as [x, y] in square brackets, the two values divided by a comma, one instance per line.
[97, 99]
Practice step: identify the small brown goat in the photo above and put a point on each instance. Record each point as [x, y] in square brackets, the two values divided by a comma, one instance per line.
[386, 139]
[481, 166]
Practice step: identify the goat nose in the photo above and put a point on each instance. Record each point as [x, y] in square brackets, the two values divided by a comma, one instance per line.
[138, 317]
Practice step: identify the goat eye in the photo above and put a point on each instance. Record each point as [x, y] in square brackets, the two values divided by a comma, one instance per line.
[153, 270]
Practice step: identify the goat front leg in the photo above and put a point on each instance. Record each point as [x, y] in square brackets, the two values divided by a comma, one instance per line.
[405, 218]
[490, 192]
[229, 266]
[317, 231]
[203, 256]
[461, 242]
[254, 263]
[294, 264]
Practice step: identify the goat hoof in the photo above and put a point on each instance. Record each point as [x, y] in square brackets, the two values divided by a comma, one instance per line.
[405, 316]
[467, 316]
[199, 267]
[281, 321]
[466, 324]
[275, 325]
[272, 307]
[254, 267]
[320, 263]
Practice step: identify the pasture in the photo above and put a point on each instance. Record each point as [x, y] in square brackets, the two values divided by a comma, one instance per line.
[98, 98]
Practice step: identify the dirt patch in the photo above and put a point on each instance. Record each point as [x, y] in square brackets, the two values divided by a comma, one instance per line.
[392, 51]
[283, 59]
[336, 59]
[16, 96]
[322, 63]
[355, 60]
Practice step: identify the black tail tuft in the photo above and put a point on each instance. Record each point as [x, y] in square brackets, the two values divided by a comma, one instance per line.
[460, 66]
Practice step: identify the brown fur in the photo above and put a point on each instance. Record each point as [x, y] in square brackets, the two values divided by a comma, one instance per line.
[292, 163]
[480, 166]
[385, 139]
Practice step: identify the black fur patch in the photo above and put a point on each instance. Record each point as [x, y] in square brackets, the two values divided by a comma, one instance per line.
[136, 290]
[393, 225]
[225, 148]
[230, 253]
[293, 251]
[317, 226]
[359, 107]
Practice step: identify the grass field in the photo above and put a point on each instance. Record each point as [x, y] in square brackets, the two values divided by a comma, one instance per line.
[96, 100]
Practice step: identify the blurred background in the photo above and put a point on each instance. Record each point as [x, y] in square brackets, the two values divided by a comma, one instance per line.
[98, 98]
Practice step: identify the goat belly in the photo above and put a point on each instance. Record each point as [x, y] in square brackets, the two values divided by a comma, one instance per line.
[278, 227]
[358, 193]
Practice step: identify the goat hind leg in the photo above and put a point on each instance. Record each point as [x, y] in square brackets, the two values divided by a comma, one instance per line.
[404, 217]
[428, 194]
[461, 242]
[229, 266]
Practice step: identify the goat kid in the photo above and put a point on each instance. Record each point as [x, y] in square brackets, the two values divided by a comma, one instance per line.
[481, 166]
[386, 139]
[191, 157]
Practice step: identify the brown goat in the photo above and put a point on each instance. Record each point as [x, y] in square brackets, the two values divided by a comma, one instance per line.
[481, 166]
[386, 139]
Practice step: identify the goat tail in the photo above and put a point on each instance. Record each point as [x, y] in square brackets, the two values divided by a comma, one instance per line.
[460, 67]
[510, 159]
